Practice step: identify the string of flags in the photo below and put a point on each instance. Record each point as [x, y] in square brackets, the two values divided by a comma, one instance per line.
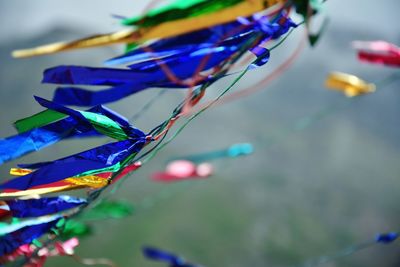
[172, 260]
[186, 45]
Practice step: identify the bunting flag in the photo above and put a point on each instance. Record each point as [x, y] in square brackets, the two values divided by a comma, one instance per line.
[58, 123]
[169, 28]
[12, 241]
[106, 157]
[167, 257]
[177, 62]
[42, 206]
[187, 45]
[182, 170]
[349, 84]
[378, 52]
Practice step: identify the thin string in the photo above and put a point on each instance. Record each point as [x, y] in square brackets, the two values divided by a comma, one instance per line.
[341, 253]
[147, 106]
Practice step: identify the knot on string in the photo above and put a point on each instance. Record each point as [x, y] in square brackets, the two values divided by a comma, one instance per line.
[149, 138]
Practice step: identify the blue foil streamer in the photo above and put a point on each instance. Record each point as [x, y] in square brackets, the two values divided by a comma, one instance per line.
[167, 257]
[42, 206]
[25, 235]
[73, 126]
[97, 158]
[182, 54]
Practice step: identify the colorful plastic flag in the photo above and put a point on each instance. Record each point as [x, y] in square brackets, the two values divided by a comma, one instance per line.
[72, 228]
[109, 156]
[378, 52]
[58, 123]
[349, 84]
[99, 180]
[183, 170]
[39, 190]
[24, 250]
[180, 9]
[163, 30]
[183, 55]
[119, 129]
[197, 47]
[42, 206]
[16, 224]
[167, 257]
[59, 249]
[10, 242]
[387, 238]
[109, 210]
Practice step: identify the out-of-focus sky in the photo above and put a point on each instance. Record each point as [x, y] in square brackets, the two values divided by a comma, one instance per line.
[303, 193]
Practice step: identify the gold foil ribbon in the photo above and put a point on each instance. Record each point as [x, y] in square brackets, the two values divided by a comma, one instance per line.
[349, 84]
[164, 30]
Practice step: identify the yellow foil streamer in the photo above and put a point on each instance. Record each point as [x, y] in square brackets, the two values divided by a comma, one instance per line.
[19, 171]
[92, 181]
[349, 84]
[92, 41]
[88, 181]
[164, 30]
[39, 191]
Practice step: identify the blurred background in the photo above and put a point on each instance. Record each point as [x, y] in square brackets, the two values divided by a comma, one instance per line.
[324, 174]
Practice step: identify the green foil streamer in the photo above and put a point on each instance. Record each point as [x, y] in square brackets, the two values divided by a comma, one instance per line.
[38, 120]
[181, 9]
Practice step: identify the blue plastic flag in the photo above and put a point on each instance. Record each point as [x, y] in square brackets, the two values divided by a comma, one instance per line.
[10, 242]
[182, 55]
[387, 238]
[42, 206]
[98, 158]
[164, 256]
[73, 126]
